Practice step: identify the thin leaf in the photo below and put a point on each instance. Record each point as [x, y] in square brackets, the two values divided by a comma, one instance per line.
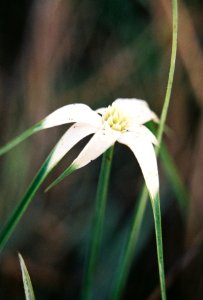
[66, 173]
[29, 293]
[175, 179]
[173, 175]
[129, 251]
[23, 203]
[97, 226]
[37, 127]
[159, 243]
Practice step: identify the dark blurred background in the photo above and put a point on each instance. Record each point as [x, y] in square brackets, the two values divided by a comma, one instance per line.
[56, 52]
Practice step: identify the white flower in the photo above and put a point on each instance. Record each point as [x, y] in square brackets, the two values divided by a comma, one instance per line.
[122, 122]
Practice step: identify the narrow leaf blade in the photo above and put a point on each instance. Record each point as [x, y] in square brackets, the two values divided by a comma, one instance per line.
[20, 138]
[29, 292]
[66, 173]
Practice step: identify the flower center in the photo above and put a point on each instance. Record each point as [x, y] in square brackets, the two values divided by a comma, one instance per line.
[115, 118]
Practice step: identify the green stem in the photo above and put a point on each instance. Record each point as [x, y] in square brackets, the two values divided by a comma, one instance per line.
[159, 244]
[97, 225]
[171, 71]
[127, 258]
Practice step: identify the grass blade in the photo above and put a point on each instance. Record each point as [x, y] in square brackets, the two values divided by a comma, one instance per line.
[173, 175]
[127, 258]
[23, 204]
[66, 173]
[21, 207]
[159, 243]
[175, 180]
[37, 127]
[97, 225]
[29, 293]
[129, 251]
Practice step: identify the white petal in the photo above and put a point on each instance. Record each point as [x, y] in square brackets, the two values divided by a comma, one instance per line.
[137, 110]
[144, 132]
[70, 138]
[145, 154]
[72, 113]
[101, 110]
[99, 143]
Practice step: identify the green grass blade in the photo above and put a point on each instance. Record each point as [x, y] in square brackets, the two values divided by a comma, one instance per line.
[175, 180]
[21, 207]
[171, 71]
[129, 251]
[37, 127]
[66, 173]
[173, 175]
[97, 225]
[159, 243]
[124, 266]
[29, 293]
[156, 202]
[23, 203]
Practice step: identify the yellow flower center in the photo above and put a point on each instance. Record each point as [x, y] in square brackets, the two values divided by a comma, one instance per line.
[115, 118]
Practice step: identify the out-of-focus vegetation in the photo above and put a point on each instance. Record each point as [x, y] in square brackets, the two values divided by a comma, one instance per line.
[59, 52]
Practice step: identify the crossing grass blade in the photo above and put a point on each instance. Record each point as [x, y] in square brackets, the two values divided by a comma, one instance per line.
[52, 160]
[23, 204]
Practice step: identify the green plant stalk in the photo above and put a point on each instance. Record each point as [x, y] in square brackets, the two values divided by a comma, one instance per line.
[159, 244]
[127, 259]
[128, 254]
[171, 71]
[97, 225]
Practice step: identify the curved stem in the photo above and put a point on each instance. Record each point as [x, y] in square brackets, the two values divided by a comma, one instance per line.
[97, 225]
[127, 258]
[171, 71]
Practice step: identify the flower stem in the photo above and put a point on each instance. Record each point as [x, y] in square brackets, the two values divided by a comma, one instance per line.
[171, 71]
[97, 225]
[159, 244]
[127, 258]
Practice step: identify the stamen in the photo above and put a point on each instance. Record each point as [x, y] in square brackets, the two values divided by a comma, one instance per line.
[116, 119]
